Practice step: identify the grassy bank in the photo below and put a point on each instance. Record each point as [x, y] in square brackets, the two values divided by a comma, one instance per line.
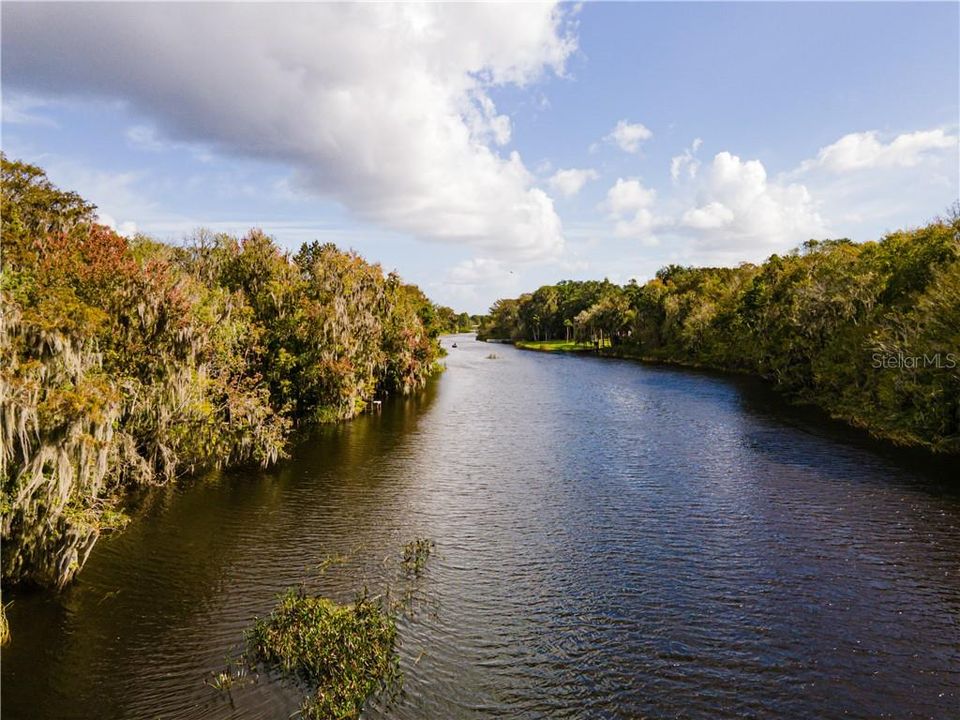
[557, 346]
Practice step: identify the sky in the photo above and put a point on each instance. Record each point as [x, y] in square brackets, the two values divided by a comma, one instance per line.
[484, 150]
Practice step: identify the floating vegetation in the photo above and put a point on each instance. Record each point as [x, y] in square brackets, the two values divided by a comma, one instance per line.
[331, 561]
[236, 674]
[343, 653]
[415, 555]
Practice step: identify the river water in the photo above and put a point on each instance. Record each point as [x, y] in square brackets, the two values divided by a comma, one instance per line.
[613, 540]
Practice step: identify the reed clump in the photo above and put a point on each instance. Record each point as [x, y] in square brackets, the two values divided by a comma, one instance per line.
[415, 555]
[342, 653]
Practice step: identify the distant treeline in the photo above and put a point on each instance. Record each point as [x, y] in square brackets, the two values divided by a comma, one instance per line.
[869, 331]
[451, 322]
[126, 363]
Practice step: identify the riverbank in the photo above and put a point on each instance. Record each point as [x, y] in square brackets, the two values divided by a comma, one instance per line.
[567, 346]
[619, 352]
[129, 362]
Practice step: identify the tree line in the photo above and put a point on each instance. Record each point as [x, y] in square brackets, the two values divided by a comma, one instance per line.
[450, 321]
[126, 363]
[869, 331]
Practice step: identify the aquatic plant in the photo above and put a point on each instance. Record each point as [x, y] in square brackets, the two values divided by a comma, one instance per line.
[342, 653]
[415, 555]
[237, 673]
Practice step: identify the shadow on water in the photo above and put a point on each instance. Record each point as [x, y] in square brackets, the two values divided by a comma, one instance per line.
[614, 540]
[916, 466]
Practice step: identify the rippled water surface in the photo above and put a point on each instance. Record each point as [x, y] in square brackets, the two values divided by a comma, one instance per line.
[613, 541]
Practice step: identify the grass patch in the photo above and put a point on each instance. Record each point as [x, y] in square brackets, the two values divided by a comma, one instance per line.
[558, 345]
[343, 653]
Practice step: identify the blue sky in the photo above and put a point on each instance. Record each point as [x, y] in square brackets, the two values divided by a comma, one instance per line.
[475, 148]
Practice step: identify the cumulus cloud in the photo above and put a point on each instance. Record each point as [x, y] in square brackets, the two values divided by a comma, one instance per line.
[629, 195]
[710, 216]
[686, 163]
[628, 136]
[471, 283]
[630, 204]
[384, 107]
[569, 182]
[739, 207]
[865, 150]
[478, 271]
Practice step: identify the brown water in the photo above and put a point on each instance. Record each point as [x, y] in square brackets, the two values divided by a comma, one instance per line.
[613, 541]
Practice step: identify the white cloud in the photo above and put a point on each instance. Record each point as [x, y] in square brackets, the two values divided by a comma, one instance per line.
[865, 150]
[478, 271]
[569, 182]
[383, 107]
[869, 184]
[630, 204]
[627, 196]
[629, 135]
[471, 283]
[739, 209]
[21, 110]
[712, 215]
[686, 163]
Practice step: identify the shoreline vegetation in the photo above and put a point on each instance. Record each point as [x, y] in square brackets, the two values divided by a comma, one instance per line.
[130, 362]
[869, 332]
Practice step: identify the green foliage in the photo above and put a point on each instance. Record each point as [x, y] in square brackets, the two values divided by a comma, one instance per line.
[127, 363]
[342, 653]
[446, 320]
[415, 555]
[869, 331]
[31, 207]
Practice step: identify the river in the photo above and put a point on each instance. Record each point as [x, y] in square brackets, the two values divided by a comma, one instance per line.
[613, 540]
